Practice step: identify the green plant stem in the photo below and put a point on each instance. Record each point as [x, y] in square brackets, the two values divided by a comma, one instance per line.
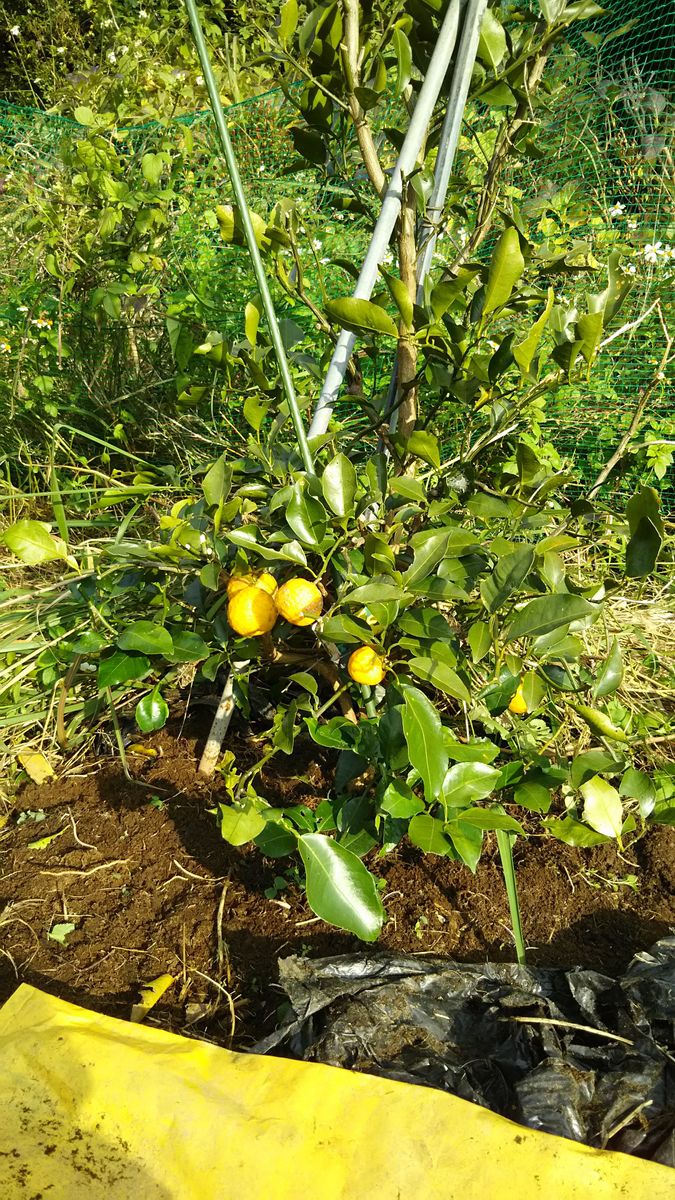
[505, 843]
[368, 700]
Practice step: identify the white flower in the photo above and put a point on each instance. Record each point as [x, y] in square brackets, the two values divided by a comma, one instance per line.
[388, 258]
[317, 243]
[630, 269]
[60, 49]
[199, 81]
[617, 210]
[88, 667]
[42, 323]
[15, 31]
[123, 49]
[107, 23]
[632, 224]
[23, 308]
[652, 252]
[202, 538]
[142, 14]
[323, 261]
[112, 57]
[5, 347]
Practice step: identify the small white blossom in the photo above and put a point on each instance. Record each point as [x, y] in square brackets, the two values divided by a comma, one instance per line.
[389, 257]
[88, 667]
[617, 210]
[632, 225]
[317, 243]
[630, 269]
[202, 538]
[323, 261]
[5, 347]
[142, 14]
[15, 31]
[208, 551]
[652, 252]
[107, 23]
[112, 57]
[199, 81]
[123, 49]
[23, 308]
[60, 49]
[42, 323]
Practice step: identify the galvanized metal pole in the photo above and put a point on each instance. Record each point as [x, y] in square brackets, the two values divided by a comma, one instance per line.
[445, 157]
[258, 267]
[391, 207]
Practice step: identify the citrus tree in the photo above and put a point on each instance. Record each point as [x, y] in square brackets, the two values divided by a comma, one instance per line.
[429, 614]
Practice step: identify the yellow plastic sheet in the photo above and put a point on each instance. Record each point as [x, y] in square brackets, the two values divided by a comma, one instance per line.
[95, 1107]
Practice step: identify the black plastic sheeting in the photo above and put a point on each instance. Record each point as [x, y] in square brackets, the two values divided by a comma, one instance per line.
[504, 1037]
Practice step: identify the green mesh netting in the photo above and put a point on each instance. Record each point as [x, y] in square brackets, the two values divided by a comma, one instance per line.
[603, 162]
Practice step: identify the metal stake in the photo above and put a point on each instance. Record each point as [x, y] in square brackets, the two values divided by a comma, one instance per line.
[391, 207]
[254, 251]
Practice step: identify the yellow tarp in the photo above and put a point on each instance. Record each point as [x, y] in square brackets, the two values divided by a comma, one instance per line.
[94, 1107]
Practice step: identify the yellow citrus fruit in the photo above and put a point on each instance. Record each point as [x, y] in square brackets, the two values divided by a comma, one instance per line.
[251, 612]
[366, 666]
[299, 601]
[518, 704]
[266, 581]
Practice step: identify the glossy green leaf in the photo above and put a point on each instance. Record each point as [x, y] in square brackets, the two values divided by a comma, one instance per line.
[480, 640]
[188, 646]
[404, 60]
[361, 316]
[379, 592]
[217, 482]
[637, 785]
[424, 445]
[573, 832]
[603, 810]
[343, 629]
[490, 819]
[339, 888]
[152, 166]
[146, 637]
[534, 690]
[255, 410]
[122, 668]
[424, 738]
[89, 642]
[467, 841]
[643, 549]
[610, 673]
[428, 834]
[492, 44]
[506, 268]
[477, 750]
[306, 516]
[31, 542]
[533, 796]
[525, 350]
[275, 841]
[546, 613]
[288, 21]
[240, 825]
[400, 295]
[440, 676]
[425, 623]
[508, 575]
[338, 484]
[152, 712]
[467, 782]
[593, 762]
[429, 550]
[400, 801]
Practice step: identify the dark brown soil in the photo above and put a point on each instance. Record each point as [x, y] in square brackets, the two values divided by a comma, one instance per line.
[156, 890]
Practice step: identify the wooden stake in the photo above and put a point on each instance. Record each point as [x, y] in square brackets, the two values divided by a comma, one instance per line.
[219, 728]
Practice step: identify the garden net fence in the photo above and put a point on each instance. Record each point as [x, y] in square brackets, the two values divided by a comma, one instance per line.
[603, 170]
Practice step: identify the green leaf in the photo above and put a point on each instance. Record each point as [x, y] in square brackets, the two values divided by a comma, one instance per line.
[361, 316]
[255, 411]
[573, 832]
[428, 833]
[378, 592]
[467, 841]
[643, 549]
[145, 637]
[342, 629]
[508, 575]
[400, 295]
[480, 640]
[31, 542]
[306, 516]
[404, 61]
[524, 351]
[533, 796]
[288, 21]
[552, 9]
[60, 933]
[534, 690]
[467, 782]
[611, 672]
[424, 445]
[492, 44]
[477, 750]
[122, 668]
[589, 332]
[603, 810]
[429, 550]
[89, 642]
[338, 484]
[331, 733]
[546, 613]
[339, 888]
[232, 228]
[400, 801]
[592, 762]
[152, 712]
[275, 841]
[152, 166]
[440, 676]
[188, 647]
[637, 785]
[240, 825]
[490, 818]
[506, 269]
[423, 734]
[217, 482]
[425, 623]
[84, 116]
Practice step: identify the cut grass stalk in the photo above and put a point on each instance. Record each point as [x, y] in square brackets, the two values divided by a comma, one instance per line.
[505, 843]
